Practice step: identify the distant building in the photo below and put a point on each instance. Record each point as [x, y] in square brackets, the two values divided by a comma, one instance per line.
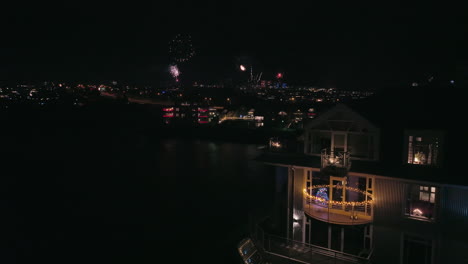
[190, 114]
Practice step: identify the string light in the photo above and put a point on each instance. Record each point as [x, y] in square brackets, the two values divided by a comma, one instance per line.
[322, 200]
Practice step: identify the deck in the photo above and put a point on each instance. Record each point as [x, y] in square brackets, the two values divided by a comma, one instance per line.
[278, 250]
[338, 215]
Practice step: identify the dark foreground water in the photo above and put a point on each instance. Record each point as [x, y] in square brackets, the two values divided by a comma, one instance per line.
[120, 196]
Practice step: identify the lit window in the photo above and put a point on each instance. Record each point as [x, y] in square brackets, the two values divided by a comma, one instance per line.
[423, 150]
[421, 202]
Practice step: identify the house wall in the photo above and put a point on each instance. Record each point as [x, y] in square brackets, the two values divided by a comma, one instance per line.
[388, 201]
[449, 231]
[386, 245]
[452, 251]
[454, 223]
[297, 220]
[454, 211]
[279, 215]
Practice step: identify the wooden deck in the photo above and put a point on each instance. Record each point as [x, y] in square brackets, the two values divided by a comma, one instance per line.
[336, 216]
[281, 250]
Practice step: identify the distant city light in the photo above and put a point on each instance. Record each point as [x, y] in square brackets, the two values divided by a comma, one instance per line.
[452, 81]
[279, 75]
[242, 68]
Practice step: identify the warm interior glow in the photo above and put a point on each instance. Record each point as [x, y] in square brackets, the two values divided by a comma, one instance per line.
[417, 212]
[275, 144]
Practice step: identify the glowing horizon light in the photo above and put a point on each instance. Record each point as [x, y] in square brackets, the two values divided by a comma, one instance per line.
[242, 68]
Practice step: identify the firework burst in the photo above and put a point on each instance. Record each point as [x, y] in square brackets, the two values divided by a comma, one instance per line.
[174, 71]
[181, 49]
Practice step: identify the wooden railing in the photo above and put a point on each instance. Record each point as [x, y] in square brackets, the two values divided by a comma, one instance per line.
[303, 252]
[345, 214]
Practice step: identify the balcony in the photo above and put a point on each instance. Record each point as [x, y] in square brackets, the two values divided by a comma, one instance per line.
[275, 144]
[345, 212]
[283, 144]
[340, 159]
[282, 250]
[335, 163]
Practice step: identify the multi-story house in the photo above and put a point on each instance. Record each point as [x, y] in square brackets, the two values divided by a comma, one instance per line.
[377, 181]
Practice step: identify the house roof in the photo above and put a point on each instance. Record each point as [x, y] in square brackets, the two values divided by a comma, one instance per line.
[431, 106]
[406, 172]
[341, 117]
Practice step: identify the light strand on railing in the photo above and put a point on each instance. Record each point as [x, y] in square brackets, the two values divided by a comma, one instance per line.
[320, 199]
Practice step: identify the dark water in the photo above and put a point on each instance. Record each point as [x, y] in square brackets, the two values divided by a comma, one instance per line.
[116, 197]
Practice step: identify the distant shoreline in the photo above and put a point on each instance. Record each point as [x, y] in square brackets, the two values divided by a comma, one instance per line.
[229, 134]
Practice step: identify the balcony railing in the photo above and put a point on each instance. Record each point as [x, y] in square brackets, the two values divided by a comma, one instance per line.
[276, 247]
[339, 214]
[339, 159]
[351, 211]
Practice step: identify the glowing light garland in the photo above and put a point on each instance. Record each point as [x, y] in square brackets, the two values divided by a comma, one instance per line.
[322, 200]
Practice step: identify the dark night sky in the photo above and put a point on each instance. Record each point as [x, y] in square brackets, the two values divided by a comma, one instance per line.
[333, 44]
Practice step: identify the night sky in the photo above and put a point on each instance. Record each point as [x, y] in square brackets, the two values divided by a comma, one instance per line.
[342, 45]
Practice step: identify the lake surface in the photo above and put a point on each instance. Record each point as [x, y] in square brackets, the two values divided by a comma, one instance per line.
[115, 197]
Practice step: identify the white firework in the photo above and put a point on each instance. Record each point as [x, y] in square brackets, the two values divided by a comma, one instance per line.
[174, 70]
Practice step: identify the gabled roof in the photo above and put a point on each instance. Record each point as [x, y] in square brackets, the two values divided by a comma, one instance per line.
[341, 118]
